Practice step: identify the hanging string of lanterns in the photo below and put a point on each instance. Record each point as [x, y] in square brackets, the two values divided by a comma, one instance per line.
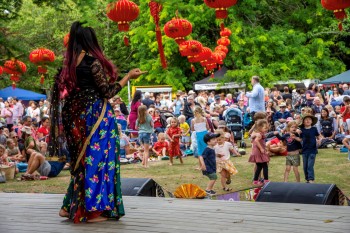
[123, 12]
[338, 8]
[42, 57]
[155, 9]
[15, 68]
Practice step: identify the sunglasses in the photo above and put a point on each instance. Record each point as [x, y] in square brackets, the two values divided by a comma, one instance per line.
[15, 137]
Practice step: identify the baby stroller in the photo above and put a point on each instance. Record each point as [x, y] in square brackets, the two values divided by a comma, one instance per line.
[234, 121]
[164, 115]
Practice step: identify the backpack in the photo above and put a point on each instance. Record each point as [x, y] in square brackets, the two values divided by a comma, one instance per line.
[327, 127]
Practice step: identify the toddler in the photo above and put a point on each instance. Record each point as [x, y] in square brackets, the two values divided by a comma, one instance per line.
[173, 133]
[160, 148]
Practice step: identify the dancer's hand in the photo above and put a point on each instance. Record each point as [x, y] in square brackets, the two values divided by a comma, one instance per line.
[135, 73]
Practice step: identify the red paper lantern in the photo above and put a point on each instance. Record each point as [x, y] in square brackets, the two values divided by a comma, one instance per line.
[66, 40]
[178, 29]
[123, 12]
[15, 68]
[220, 7]
[224, 41]
[219, 57]
[190, 48]
[225, 32]
[1, 70]
[221, 48]
[41, 57]
[203, 58]
[337, 6]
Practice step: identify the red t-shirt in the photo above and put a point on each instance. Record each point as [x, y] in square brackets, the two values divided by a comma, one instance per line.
[158, 146]
[45, 132]
[157, 122]
[347, 115]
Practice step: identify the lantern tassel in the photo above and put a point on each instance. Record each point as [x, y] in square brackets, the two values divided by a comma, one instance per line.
[42, 79]
[193, 68]
[126, 41]
[222, 26]
[212, 75]
[340, 26]
[205, 71]
[13, 85]
[160, 48]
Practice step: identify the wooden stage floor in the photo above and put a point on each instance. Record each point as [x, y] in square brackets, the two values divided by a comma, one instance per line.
[39, 213]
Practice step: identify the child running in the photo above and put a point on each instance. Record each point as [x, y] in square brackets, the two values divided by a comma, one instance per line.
[200, 125]
[309, 148]
[144, 124]
[224, 166]
[209, 162]
[293, 142]
[259, 155]
[173, 133]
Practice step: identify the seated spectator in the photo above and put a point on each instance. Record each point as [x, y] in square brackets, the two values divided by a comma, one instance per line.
[327, 125]
[124, 143]
[29, 142]
[317, 106]
[160, 148]
[2, 135]
[281, 128]
[13, 152]
[118, 114]
[37, 162]
[158, 126]
[286, 94]
[281, 116]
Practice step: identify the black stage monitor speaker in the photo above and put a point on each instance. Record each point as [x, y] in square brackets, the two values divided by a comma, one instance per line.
[139, 187]
[321, 194]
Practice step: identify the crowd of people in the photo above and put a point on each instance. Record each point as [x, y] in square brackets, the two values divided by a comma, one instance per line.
[154, 127]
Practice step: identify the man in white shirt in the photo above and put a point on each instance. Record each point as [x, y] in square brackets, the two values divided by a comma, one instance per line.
[17, 111]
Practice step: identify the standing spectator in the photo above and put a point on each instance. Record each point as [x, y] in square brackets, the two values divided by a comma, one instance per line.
[229, 100]
[17, 111]
[241, 106]
[310, 94]
[256, 97]
[35, 111]
[177, 104]
[2, 104]
[173, 133]
[345, 112]
[309, 134]
[209, 161]
[340, 88]
[7, 113]
[296, 99]
[167, 102]
[281, 116]
[286, 94]
[144, 124]
[2, 135]
[157, 103]
[147, 100]
[135, 103]
[346, 89]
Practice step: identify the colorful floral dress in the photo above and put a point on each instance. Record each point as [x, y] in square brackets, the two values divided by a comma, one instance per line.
[95, 185]
[174, 147]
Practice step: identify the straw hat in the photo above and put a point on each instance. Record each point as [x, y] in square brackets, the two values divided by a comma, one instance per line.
[27, 130]
[283, 104]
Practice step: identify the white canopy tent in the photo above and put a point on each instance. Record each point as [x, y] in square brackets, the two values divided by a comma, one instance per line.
[207, 84]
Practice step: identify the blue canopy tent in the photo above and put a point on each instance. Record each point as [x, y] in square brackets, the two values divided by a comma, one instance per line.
[21, 94]
[340, 78]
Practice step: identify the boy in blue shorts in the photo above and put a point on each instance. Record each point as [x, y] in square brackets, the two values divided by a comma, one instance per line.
[209, 166]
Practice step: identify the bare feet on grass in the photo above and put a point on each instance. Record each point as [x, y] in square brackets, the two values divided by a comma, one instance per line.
[63, 213]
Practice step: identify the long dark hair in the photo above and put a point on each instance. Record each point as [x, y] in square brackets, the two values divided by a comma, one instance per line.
[82, 38]
[137, 96]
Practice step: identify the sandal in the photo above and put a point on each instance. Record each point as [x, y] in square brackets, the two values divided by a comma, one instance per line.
[227, 189]
[27, 177]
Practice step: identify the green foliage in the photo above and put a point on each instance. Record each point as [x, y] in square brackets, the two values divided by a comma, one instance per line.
[277, 40]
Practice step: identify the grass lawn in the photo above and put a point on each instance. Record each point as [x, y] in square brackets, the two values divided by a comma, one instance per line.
[331, 167]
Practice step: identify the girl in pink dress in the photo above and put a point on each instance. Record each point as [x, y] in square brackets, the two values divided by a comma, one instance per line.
[135, 104]
[259, 154]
